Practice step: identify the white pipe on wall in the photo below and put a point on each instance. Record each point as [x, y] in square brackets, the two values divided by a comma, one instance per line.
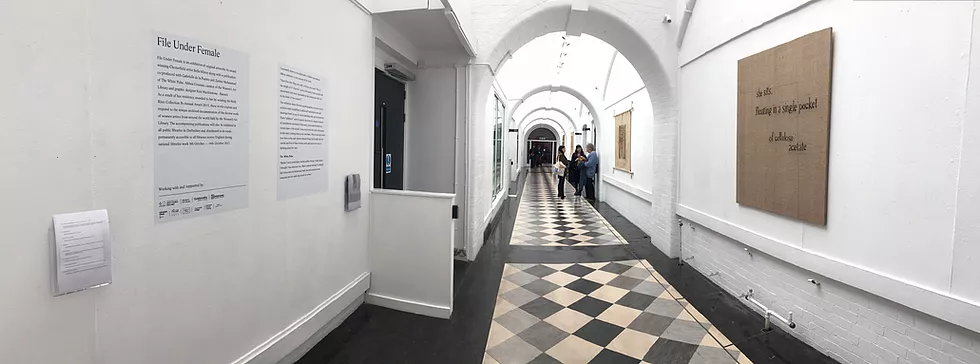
[769, 313]
[685, 20]
[467, 225]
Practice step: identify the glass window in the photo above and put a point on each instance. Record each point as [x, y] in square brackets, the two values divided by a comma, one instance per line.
[498, 146]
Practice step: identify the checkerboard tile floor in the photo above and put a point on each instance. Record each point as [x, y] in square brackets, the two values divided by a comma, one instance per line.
[607, 312]
[545, 220]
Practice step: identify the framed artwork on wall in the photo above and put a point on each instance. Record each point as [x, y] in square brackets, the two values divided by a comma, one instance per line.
[784, 128]
[624, 131]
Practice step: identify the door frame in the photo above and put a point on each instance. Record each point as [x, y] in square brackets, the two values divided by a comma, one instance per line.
[378, 168]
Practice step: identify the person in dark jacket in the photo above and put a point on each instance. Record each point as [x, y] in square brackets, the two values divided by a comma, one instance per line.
[563, 166]
[533, 155]
[574, 172]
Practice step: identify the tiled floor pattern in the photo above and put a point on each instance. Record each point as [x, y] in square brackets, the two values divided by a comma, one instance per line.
[545, 220]
[607, 312]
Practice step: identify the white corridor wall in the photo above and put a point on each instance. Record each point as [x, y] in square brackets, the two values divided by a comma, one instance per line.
[431, 131]
[896, 143]
[629, 192]
[481, 203]
[76, 104]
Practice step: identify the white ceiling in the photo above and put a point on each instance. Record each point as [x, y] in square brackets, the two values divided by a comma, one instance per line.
[553, 59]
[428, 30]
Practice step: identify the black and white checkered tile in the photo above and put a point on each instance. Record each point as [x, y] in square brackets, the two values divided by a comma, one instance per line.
[607, 312]
[545, 220]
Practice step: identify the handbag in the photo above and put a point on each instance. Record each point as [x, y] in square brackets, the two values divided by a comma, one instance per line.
[560, 168]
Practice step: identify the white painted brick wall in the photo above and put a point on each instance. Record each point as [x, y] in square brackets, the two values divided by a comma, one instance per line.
[665, 232]
[630, 206]
[847, 324]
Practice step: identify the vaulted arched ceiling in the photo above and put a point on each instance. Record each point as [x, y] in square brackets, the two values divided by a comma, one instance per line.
[569, 74]
[556, 59]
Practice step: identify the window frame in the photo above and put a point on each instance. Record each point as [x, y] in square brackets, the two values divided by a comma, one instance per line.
[498, 146]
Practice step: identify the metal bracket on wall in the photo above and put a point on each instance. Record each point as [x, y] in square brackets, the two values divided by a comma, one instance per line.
[680, 242]
[769, 314]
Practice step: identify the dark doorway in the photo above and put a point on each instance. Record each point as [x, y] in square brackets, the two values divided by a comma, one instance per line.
[389, 132]
[541, 146]
[546, 151]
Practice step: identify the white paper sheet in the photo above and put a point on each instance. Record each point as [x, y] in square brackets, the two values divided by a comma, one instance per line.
[82, 251]
[201, 128]
[302, 134]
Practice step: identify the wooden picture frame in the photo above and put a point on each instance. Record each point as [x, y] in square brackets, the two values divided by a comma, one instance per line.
[623, 132]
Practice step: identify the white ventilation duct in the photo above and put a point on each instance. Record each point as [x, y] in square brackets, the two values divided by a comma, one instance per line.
[398, 71]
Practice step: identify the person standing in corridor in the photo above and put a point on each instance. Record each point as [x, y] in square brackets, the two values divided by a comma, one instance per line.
[574, 172]
[562, 168]
[530, 156]
[533, 156]
[589, 165]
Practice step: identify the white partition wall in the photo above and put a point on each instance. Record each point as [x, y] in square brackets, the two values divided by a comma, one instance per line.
[411, 252]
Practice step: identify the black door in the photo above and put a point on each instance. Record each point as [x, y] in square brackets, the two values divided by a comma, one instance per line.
[389, 132]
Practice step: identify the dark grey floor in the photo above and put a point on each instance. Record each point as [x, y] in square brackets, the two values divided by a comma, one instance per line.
[378, 335]
[459, 272]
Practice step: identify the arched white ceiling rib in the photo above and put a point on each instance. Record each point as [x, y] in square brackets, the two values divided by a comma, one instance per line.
[548, 100]
[590, 102]
[635, 42]
[590, 66]
[538, 132]
[555, 59]
[546, 110]
[551, 124]
[605, 86]
[623, 81]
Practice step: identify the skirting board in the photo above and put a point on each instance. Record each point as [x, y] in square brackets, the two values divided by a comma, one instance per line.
[329, 313]
[403, 305]
[306, 346]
